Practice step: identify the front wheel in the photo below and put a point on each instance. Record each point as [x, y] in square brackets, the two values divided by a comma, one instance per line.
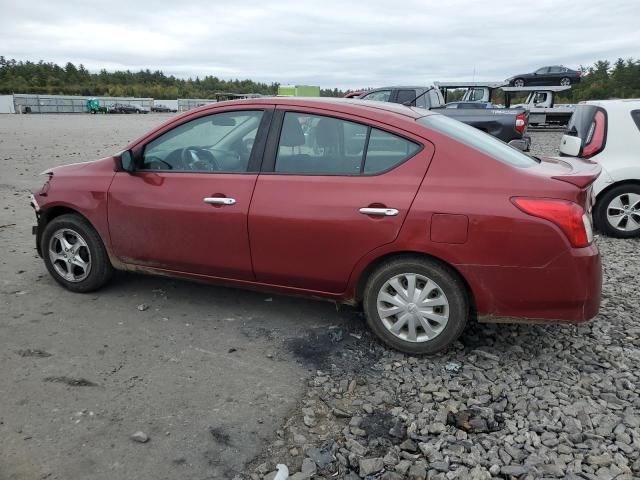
[617, 212]
[415, 305]
[518, 82]
[74, 254]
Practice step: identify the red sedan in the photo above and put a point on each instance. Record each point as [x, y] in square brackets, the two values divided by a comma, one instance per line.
[422, 220]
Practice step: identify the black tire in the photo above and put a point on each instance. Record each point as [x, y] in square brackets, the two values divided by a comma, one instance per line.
[519, 82]
[446, 279]
[565, 81]
[603, 205]
[100, 269]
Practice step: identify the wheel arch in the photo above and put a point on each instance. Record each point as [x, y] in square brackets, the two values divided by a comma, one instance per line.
[55, 211]
[608, 188]
[375, 263]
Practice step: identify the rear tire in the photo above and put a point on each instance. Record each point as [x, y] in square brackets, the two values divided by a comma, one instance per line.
[617, 212]
[74, 254]
[427, 294]
[565, 82]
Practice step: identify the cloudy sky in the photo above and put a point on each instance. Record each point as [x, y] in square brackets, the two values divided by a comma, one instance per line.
[329, 43]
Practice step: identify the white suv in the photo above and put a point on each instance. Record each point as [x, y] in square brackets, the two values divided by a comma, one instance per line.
[608, 132]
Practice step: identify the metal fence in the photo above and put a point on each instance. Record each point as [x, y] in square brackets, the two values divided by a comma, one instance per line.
[30, 103]
[185, 104]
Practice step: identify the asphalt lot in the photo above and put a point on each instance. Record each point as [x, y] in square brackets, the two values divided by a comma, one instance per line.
[204, 371]
[227, 382]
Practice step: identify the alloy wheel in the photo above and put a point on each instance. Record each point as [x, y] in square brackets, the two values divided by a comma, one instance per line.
[413, 307]
[565, 82]
[623, 212]
[69, 254]
[518, 83]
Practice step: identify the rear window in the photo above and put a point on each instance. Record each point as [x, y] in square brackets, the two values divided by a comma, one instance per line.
[635, 114]
[478, 140]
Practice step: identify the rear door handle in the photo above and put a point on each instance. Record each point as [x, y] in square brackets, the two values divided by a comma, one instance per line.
[388, 212]
[219, 200]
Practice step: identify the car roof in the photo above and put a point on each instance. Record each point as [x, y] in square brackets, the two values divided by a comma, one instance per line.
[619, 103]
[354, 106]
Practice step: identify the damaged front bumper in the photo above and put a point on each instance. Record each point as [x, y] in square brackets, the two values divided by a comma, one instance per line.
[35, 230]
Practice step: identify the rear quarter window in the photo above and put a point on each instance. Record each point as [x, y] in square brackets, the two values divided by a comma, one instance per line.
[474, 138]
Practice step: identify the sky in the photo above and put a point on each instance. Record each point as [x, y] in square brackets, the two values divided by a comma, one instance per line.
[329, 43]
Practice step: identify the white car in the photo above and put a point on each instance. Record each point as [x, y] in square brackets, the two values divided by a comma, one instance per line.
[608, 132]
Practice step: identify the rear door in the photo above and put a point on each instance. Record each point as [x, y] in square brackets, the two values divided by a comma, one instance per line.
[332, 189]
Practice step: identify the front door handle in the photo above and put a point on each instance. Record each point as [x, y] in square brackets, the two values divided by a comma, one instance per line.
[219, 200]
[388, 212]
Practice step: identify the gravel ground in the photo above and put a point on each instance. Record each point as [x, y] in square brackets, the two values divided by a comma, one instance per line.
[505, 402]
[211, 383]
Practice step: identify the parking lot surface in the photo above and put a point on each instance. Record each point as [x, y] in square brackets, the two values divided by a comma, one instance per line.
[226, 383]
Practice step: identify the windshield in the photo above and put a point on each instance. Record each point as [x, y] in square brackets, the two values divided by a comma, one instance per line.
[478, 140]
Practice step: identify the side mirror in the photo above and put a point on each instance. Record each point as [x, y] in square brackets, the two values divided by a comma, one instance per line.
[126, 161]
[570, 146]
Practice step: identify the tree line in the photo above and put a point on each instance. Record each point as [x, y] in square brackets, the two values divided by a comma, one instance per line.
[602, 80]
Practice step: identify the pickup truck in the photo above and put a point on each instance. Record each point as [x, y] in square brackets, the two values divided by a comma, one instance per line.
[507, 124]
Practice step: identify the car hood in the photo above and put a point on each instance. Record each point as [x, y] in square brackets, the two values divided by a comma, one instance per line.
[101, 165]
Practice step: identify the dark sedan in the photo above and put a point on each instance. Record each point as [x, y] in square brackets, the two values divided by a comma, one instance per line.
[554, 75]
[126, 108]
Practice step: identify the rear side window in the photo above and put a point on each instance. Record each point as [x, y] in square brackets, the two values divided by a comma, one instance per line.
[406, 97]
[478, 140]
[321, 145]
[636, 117]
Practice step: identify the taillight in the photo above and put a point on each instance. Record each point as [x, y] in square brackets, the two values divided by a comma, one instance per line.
[521, 123]
[594, 143]
[569, 216]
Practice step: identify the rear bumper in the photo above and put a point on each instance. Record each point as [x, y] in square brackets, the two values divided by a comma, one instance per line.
[566, 290]
[523, 143]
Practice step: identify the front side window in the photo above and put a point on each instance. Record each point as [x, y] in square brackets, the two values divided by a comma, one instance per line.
[215, 143]
[320, 145]
[477, 139]
[379, 96]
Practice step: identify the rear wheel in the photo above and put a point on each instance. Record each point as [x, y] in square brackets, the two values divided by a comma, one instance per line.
[416, 305]
[518, 82]
[617, 212]
[74, 254]
[565, 81]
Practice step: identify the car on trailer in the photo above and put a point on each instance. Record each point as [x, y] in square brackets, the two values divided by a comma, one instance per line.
[552, 75]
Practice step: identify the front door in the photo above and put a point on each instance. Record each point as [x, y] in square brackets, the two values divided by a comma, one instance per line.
[337, 189]
[185, 207]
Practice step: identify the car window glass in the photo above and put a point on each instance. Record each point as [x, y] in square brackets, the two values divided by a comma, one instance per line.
[635, 114]
[556, 70]
[476, 94]
[542, 70]
[319, 145]
[477, 139]
[386, 150]
[214, 143]
[380, 96]
[406, 97]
